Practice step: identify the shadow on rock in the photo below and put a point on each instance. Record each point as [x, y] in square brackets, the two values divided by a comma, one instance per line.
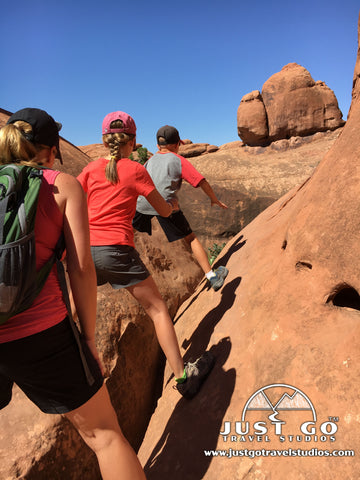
[200, 338]
[194, 426]
[235, 247]
[239, 243]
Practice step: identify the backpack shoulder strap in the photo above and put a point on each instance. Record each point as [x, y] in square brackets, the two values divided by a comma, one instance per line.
[19, 189]
[59, 250]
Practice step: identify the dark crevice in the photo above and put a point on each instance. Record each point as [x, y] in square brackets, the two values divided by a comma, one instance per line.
[344, 295]
[289, 199]
[284, 245]
[301, 265]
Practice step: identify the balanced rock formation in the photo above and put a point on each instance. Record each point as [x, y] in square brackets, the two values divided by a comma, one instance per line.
[35, 446]
[285, 329]
[252, 120]
[290, 104]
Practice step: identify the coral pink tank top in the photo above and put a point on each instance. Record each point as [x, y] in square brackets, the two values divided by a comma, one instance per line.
[48, 308]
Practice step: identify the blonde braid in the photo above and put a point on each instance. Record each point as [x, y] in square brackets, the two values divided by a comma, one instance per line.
[115, 142]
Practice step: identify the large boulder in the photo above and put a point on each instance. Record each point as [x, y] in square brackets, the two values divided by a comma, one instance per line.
[285, 329]
[297, 105]
[35, 446]
[291, 104]
[252, 120]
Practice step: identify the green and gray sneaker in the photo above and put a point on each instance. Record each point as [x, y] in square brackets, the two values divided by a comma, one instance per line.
[196, 373]
[218, 281]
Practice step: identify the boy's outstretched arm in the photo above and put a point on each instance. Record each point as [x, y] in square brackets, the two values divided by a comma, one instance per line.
[206, 187]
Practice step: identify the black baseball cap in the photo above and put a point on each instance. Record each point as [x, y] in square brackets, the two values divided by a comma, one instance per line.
[167, 135]
[45, 131]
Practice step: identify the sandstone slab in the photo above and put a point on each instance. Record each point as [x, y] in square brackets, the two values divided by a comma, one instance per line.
[248, 180]
[285, 329]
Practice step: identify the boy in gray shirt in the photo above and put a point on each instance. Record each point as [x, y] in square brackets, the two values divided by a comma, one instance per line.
[167, 169]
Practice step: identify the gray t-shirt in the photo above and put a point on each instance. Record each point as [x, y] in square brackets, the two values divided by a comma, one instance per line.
[166, 172]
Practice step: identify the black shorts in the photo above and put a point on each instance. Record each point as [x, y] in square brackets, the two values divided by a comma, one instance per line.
[120, 265]
[49, 368]
[175, 227]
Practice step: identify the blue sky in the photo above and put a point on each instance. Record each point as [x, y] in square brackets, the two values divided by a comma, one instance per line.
[185, 63]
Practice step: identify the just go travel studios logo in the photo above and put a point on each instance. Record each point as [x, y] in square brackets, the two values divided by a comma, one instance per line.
[280, 412]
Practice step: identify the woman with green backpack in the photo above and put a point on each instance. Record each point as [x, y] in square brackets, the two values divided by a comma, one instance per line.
[40, 351]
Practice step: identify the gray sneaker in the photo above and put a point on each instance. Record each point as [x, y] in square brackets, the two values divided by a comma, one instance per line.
[218, 281]
[196, 373]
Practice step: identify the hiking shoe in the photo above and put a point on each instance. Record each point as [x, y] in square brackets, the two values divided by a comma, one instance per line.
[196, 373]
[218, 281]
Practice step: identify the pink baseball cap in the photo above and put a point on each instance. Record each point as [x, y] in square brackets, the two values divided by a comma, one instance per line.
[129, 124]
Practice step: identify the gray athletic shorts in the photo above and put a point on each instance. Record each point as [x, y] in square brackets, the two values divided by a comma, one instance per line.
[120, 265]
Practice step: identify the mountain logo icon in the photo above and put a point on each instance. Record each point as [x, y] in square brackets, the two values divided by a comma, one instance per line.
[278, 397]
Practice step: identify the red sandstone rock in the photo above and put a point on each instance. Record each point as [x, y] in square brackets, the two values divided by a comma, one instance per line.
[192, 149]
[252, 120]
[95, 150]
[248, 180]
[296, 105]
[289, 315]
[230, 145]
[212, 149]
[291, 104]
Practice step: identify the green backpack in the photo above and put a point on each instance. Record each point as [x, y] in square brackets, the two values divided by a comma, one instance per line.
[20, 283]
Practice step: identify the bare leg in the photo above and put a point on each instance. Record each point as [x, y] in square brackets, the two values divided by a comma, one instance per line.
[148, 295]
[198, 252]
[97, 424]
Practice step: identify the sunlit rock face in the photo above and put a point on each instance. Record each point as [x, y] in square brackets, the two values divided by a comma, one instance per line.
[285, 329]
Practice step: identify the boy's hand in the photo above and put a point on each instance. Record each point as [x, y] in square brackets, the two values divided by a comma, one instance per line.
[207, 189]
[175, 204]
[220, 204]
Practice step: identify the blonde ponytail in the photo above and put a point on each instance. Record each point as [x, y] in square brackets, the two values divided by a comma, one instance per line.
[14, 144]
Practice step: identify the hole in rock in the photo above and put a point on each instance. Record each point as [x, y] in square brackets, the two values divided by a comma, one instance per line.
[345, 296]
[303, 265]
[284, 245]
